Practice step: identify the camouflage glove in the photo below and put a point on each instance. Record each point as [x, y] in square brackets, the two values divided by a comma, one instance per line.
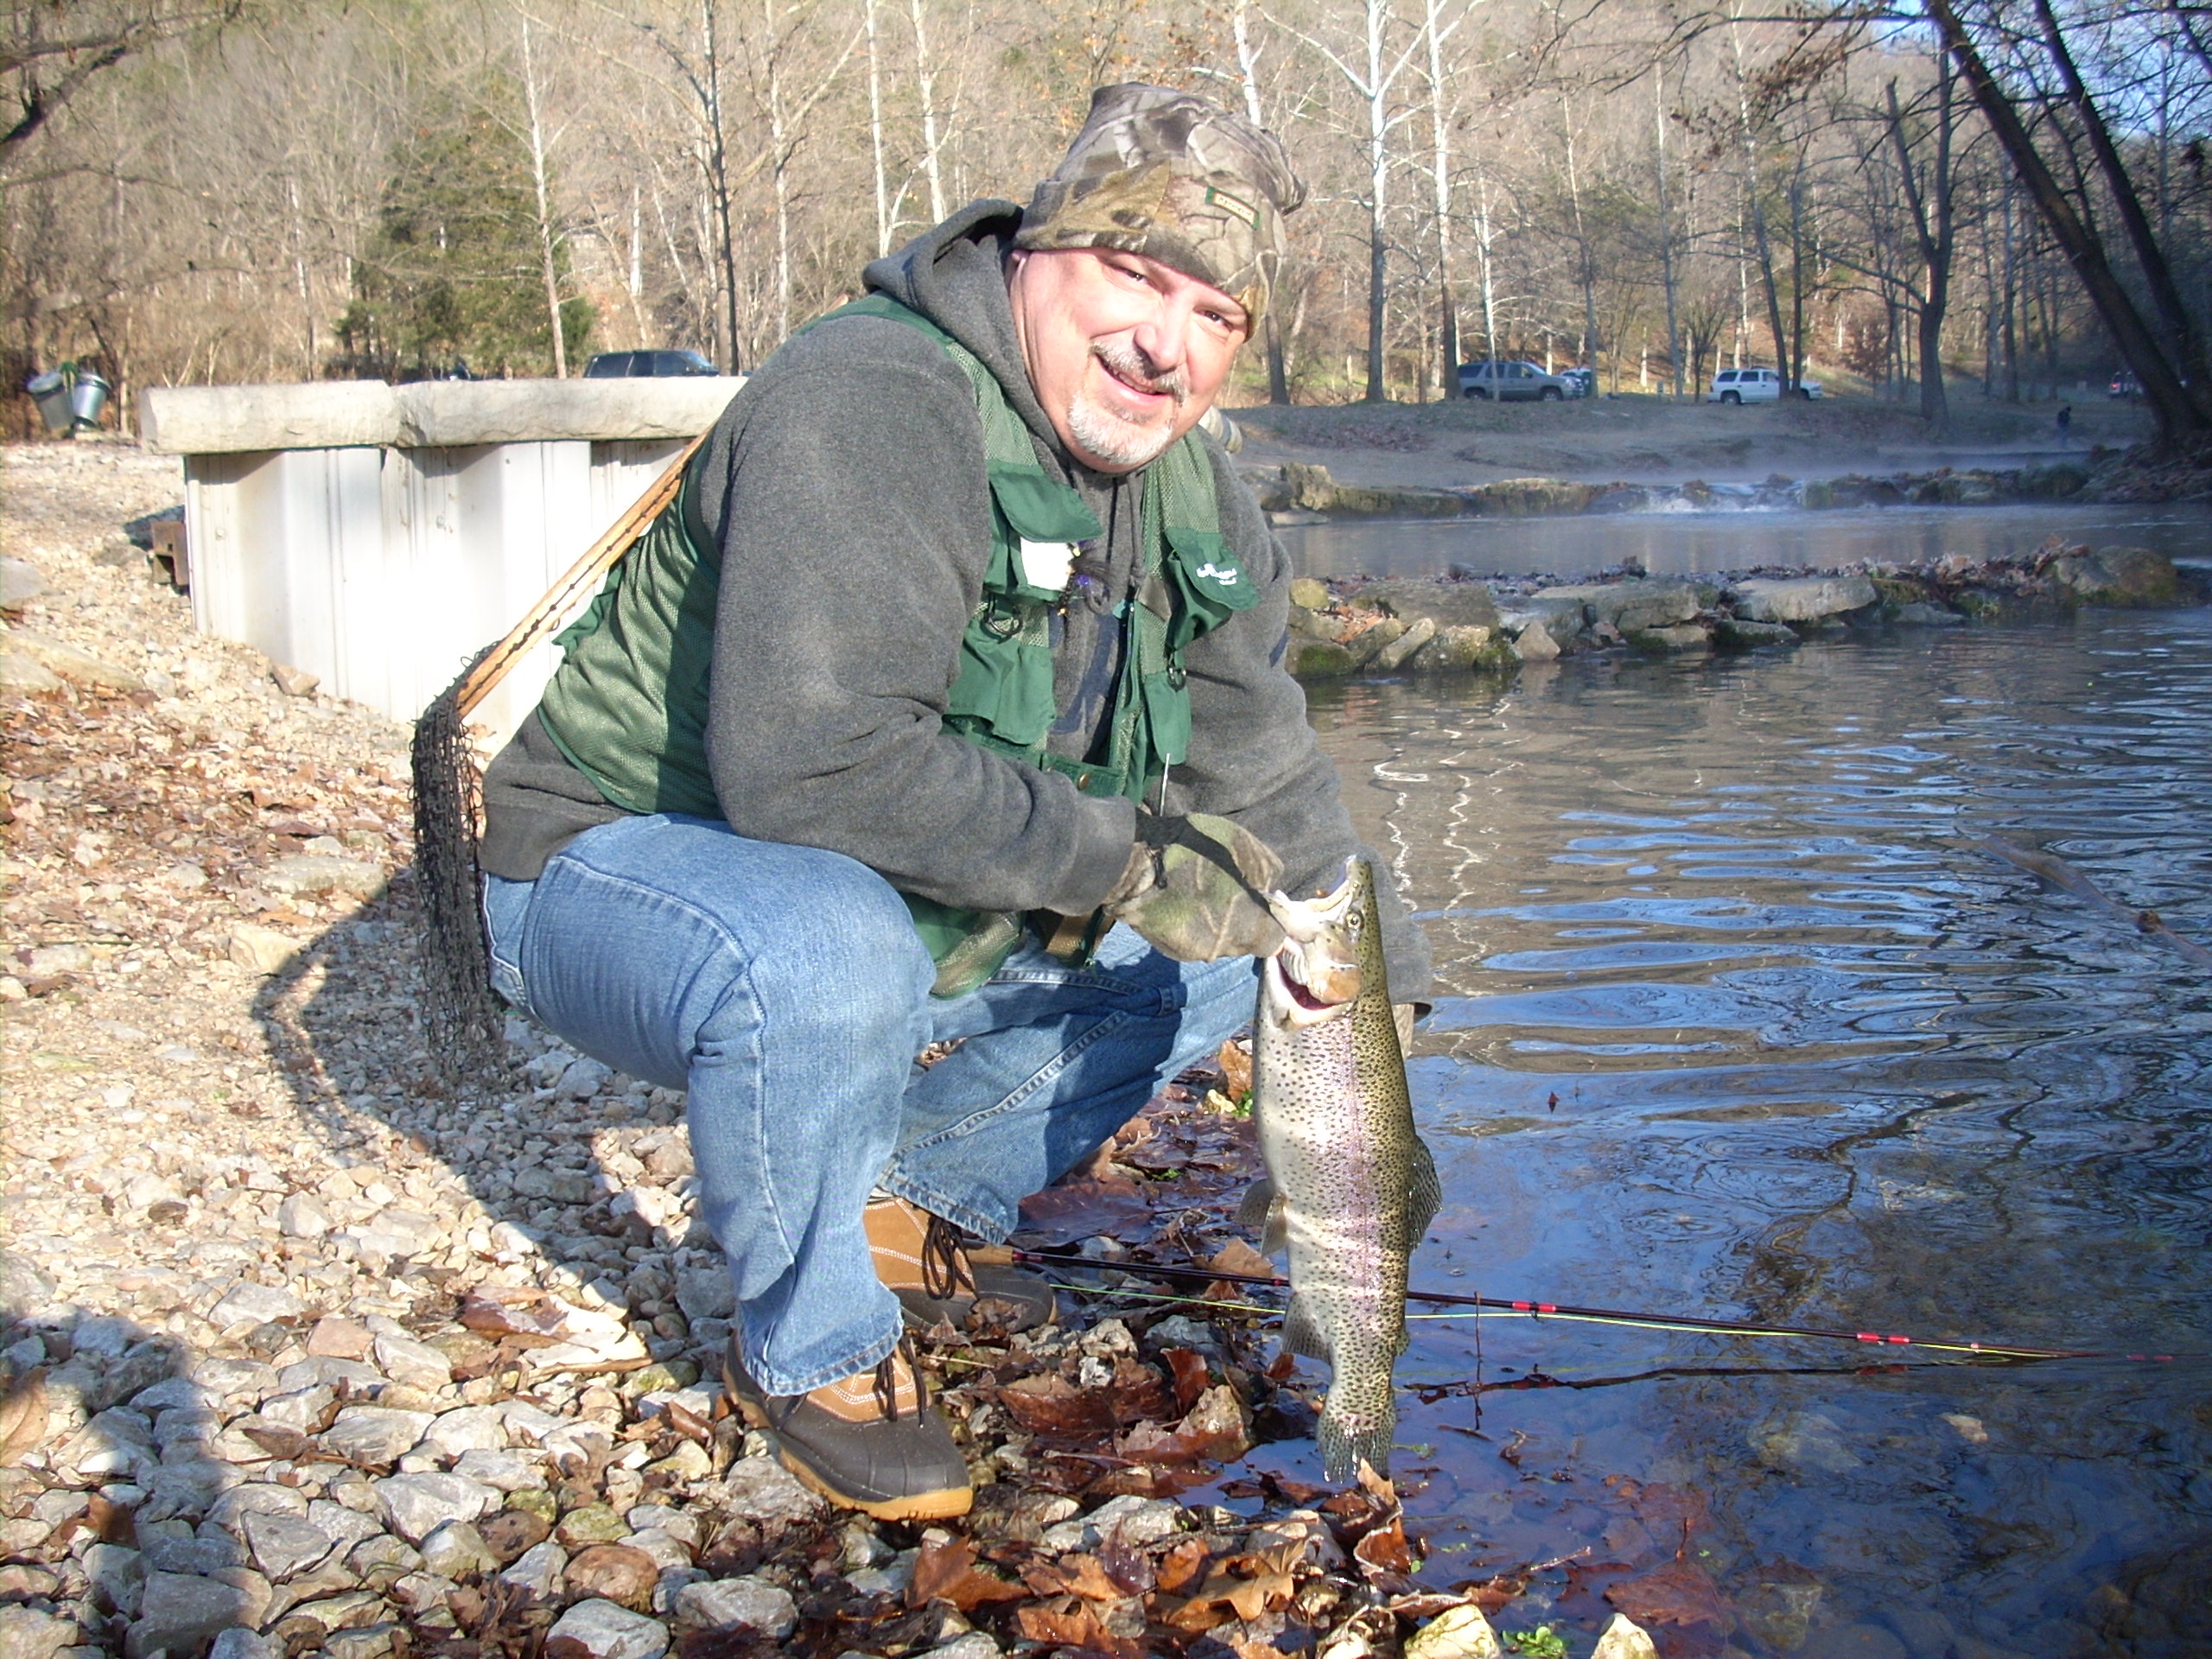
[1192, 888]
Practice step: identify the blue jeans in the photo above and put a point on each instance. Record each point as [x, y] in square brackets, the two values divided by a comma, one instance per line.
[786, 989]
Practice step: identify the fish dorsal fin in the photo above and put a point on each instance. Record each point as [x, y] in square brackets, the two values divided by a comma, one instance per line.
[1424, 1193]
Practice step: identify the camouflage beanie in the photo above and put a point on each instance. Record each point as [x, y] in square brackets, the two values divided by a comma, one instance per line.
[1170, 176]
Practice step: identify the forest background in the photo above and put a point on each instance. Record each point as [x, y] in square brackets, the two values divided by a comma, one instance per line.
[209, 190]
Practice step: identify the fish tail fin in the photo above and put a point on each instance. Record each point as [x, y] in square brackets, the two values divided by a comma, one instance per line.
[1262, 1212]
[1300, 1335]
[1424, 1193]
[1346, 1440]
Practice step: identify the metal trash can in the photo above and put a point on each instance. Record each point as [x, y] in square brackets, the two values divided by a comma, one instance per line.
[50, 392]
[88, 397]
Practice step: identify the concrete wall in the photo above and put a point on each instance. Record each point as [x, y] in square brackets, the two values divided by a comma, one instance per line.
[379, 536]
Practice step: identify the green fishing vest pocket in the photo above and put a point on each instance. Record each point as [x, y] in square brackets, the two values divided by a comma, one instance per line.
[1004, 689]
[1208, 581]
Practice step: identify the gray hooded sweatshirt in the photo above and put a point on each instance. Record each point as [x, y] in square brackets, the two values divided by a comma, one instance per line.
[846, 483]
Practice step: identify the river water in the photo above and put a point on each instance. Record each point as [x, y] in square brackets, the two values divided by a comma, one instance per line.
[1667, 541]
[1734, 1019]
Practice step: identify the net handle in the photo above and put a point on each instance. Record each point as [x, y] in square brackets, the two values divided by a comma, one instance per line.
[578, 580]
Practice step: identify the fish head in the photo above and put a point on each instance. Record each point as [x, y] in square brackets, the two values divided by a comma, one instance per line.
[1316, 976]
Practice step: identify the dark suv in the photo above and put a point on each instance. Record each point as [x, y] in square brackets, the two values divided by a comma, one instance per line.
[618, 366]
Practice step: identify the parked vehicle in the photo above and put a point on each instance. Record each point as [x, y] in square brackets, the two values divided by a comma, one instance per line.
[1754, 386]
[2125, 385]
[1580, 382]
[1511, 383]
[617, 366]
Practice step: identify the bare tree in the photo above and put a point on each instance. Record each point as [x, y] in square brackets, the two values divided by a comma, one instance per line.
[539, 146]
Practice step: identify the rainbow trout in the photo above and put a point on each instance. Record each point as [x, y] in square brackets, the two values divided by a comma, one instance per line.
[1349, 1188]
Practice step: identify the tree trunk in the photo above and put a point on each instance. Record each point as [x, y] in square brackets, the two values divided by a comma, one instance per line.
[2158, 275]
[1248, 65]
[1448, 329]
[2180, 420]
[1378, 175]
[1932, 228]
[925, 84]
[875, 134]
[544, 208]
[718, 176]
[1668, 278]
[1755, 209]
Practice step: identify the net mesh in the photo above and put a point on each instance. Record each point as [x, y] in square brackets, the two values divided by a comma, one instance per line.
[462, 1022]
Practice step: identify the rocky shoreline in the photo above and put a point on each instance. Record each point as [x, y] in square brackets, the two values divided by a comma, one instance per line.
[1301, 494]
[1465, 624]
[303, 1353]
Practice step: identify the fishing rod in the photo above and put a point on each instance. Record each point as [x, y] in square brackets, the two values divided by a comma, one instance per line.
[1683, 1322]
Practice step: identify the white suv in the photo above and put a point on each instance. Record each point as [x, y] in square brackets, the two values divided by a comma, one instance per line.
[1754, 386]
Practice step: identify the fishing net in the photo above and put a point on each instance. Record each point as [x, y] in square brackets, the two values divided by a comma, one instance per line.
[462, 1022]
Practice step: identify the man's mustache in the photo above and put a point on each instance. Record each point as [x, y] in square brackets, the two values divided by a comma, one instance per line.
[1132, 365]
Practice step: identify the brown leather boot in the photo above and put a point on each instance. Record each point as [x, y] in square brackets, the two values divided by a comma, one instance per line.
[871, 1442]
[925, 1260]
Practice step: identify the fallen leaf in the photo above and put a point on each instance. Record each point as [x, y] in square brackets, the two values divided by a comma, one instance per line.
[689, 1424]
[1238, 1256]
[23, 1418]
[1066, 1621]
[1224, 1596]
[1383, 1553]
[1128, 1568]
[276, 1439]
[1181, 1565]
[1679, 1592]
[1236, 1063]
[1064, 1214]
[1189, 1371]
[948, 1571]
[1086, 1575]
[1138, 1393]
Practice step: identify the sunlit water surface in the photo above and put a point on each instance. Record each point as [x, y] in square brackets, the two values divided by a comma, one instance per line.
[1734, 1020]
[1686, 544]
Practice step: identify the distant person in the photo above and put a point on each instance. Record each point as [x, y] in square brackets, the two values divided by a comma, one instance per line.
[2065, 425]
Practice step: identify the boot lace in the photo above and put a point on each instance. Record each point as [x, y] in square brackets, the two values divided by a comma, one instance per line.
[945, 1272]
[887, 1381]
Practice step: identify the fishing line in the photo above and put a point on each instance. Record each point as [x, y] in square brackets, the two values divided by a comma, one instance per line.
[1511, 1307]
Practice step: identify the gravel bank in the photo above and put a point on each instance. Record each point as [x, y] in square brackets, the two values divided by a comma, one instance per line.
[301, 1354]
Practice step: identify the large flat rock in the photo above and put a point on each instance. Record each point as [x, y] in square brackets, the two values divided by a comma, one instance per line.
[1801, 599]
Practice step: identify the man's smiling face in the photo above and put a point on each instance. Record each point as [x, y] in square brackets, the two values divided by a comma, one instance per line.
[1125, 354]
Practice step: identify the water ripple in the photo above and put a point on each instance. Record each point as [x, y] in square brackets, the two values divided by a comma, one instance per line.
[1734, 1016]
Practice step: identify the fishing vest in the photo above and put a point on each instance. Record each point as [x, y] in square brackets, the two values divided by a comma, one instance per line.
[628, 705]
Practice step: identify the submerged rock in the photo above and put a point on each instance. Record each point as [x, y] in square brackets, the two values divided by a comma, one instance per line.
[2118, 577]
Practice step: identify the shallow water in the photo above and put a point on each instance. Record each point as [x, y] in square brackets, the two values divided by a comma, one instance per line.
[1733, 1020]
[1680, 543]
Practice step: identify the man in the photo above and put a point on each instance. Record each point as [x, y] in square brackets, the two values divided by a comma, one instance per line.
[958, 647]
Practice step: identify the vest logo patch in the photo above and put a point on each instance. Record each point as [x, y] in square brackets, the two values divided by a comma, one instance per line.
[1046, 564]
[1212, 572]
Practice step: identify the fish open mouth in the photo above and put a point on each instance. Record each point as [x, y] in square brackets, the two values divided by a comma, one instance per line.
[1298, 993]
[1306, 1004]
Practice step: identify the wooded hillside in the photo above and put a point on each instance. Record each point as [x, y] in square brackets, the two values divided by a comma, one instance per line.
[227, 190]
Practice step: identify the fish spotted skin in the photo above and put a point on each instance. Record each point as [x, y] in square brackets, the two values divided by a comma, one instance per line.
[1351, 1187]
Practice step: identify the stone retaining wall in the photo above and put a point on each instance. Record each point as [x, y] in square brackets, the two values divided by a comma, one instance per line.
[1301, 493]
[1455, 626]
